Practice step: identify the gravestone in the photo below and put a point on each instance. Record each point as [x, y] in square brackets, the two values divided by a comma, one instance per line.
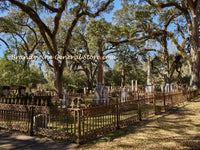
[64, 100]
[132, 86]
[149, 86]
[40, 121]
[84, 91]
[136, 86]
[168, 87]
[96, 96]
[124, 95]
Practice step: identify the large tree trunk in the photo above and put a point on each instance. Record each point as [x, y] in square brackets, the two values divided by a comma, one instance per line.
[167, 79]
[194, 80]
[193, 30]
[59, 80]
[123, 72]
[123, 76]
[90, 84]
[59, 83]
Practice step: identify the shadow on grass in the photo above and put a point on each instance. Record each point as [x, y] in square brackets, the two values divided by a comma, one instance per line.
[122, 131]
[14, 141]
[189, 144]
[165, 121]
[176, 125]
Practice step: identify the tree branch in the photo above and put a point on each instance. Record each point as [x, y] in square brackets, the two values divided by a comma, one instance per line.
[58, 16]
[103, 7]
[179, 47]
[5, 43]
[147, 50]
[35, 17]
[48, 63]
[75, 21]
[53, 9]
[146, 37]
[172, 17]
[26, 45]
[164, 5]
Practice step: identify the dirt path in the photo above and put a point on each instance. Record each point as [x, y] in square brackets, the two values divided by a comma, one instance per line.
[178, 129]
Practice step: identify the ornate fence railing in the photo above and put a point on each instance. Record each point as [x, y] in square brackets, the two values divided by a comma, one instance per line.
[39, 116]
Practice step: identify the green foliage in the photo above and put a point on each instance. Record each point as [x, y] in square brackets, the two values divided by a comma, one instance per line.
[71, 87]
[73, 80]
[7, 25]
[113, 76]
[97, 29]
[135, 19]
[178, 70]
[12, 73]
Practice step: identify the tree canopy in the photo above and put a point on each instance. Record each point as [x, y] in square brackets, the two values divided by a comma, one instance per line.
[72, 28]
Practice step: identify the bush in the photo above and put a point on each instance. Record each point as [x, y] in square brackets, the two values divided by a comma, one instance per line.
[71, 87]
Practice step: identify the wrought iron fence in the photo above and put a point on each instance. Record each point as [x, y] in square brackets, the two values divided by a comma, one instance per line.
[39, 116]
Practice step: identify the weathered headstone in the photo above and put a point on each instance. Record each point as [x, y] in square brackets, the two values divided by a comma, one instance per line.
[136, 86]
[132, 86]
[168, 87]
[124, 95]
[96, 97]
[149, 86]
[64, 100]
[84, 91]
[40, 121]
[162, 88]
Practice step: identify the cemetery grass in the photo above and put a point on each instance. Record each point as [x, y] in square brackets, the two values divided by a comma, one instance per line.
[178, 128]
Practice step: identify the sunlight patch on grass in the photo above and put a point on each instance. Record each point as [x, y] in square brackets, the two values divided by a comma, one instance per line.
[174, 130]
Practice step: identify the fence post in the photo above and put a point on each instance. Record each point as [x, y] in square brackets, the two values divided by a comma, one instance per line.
[79, 127]
[139, 108]
[118, 127]
[31, 115]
